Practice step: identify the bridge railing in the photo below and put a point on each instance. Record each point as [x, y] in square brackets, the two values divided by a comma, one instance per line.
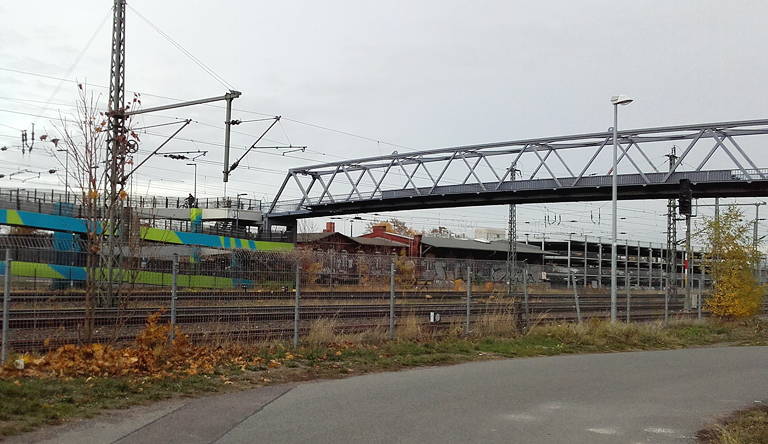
[45, 201]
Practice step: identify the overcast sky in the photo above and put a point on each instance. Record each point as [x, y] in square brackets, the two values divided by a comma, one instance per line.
[363, 78]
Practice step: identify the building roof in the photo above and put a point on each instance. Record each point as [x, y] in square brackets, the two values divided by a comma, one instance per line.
[471, 244]
[314, 237]
[378, 241]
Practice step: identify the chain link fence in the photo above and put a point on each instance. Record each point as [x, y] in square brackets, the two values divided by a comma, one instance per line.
[217, 296]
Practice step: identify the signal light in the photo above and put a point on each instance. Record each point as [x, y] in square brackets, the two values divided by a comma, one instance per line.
[685, 197]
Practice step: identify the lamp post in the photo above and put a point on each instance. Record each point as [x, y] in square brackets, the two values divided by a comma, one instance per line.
[616, 101]
[195, 185]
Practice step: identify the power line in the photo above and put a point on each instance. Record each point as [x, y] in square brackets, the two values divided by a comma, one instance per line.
[74, 64]
[208, 70]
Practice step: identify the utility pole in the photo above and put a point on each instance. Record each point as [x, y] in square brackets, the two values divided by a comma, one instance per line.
[688, 261]
[685, 199]
[512, 243]
[717, 209]
[512, 250]
[756, 240]
[671, 238]
[116, 144]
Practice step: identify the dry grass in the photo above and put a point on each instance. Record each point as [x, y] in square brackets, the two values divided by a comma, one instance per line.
[410, 328]
[604, 334]
[333, 331]
[744, 427]
[501, 323]
[323, 331]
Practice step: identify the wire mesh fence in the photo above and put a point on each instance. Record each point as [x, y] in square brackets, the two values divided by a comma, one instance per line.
[216, 296]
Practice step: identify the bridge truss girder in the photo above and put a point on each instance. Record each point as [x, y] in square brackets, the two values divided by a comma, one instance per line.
[557, 169]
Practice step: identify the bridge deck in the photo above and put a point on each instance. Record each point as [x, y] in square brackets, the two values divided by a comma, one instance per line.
[719, 183]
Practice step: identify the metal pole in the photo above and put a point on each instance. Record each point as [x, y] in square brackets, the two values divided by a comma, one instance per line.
[512, 247]
[650, 266]
[576, 298]
[599, 262]
[666, 303]
[626, 263]
[688, 262]
[469, 295]
[628, 281]
[392, 300]
[629, 297]
[701, 287]
[6, 305]
[586, 251]
[228, 126]
[755, 242]
[567, 281]
[717, 209]
[525, 298]
[174, 294]
[614, 206]
[296, 306]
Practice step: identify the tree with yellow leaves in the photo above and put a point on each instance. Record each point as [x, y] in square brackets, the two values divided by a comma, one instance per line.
[730, 258]
[393, 225]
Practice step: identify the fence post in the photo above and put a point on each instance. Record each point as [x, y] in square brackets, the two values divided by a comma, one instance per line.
[296, 306]
[525, 298]
[701, 287]
[392, 301]
[628, 297]
[6, 305]
[666, 304]
[469, 295]
[576, 299]
[174, 293]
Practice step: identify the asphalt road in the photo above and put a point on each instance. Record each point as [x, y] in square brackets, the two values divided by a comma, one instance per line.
[640, 397]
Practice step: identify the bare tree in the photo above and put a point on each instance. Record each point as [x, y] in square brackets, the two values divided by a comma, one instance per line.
[84, 135]
[308, 226]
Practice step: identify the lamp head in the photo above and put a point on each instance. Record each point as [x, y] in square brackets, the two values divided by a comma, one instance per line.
[621, 100]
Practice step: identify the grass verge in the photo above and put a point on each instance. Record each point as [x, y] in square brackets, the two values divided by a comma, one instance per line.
[81, 382]
[748, 426]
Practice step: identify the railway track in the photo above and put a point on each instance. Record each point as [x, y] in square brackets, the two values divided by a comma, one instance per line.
[285, 333]
[71, 317]
[50, 298]
[273, 318]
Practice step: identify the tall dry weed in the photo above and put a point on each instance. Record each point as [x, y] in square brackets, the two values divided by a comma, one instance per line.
[602, 333]
[322, 331]
[501, 323]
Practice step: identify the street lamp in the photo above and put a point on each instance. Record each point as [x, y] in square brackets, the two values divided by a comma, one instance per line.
[195, 186]
[616, 101]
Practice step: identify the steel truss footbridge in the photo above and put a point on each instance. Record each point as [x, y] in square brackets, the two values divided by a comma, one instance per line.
[724, 159]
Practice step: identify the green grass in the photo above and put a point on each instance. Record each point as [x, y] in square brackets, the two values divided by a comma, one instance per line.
[29, 403]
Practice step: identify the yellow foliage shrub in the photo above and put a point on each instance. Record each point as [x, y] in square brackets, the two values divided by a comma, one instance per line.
[731, 257]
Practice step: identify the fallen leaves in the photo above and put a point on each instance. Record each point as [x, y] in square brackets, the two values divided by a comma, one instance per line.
[154, 355]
